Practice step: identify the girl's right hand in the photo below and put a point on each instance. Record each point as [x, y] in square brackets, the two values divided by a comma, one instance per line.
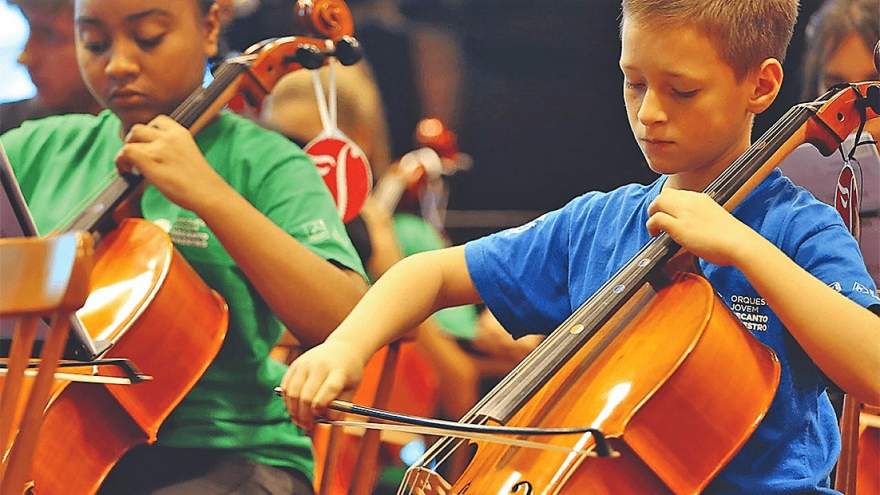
[319, 376]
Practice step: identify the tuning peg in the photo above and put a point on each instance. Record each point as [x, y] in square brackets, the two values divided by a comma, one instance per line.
[309, 56]
[348, 50]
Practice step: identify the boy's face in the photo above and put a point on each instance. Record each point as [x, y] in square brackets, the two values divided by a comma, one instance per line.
[141, 58]
[687, 110]
[50, 57]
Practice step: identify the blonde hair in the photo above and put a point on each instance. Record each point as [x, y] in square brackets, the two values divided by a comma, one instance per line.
[745, 32]
[359, 109]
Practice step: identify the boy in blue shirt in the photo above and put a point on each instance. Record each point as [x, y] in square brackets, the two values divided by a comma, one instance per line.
[696, 72]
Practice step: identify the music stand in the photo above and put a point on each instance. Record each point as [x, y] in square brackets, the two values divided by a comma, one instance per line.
[16, 221]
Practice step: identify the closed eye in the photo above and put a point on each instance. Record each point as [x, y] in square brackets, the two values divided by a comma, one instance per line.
[149, 43]
[685, 94]
[96, 46]
[633, 85]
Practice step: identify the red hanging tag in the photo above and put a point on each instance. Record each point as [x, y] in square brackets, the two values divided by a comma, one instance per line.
[345, 170]
[846, 199]
[340, 161]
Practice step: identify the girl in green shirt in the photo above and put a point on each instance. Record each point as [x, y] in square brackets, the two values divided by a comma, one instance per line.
[244, 206]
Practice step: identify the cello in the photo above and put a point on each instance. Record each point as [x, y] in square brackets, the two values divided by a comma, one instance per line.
[140, 282]
[591, 369]
[638, 363]
[412, 183]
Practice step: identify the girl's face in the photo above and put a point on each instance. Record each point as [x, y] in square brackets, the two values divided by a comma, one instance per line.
[851, 61]
[141, 58]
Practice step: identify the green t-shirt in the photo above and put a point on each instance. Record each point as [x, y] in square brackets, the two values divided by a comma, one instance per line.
[415, 235]
[62, 162]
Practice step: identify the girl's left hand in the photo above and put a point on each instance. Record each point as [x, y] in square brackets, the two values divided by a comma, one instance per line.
[166, 154]
[701, 226]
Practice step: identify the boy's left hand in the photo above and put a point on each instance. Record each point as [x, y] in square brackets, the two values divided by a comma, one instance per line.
[166, 154]
[700, 225]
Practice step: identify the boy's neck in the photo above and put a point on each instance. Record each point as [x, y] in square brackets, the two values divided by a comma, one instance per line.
[698, 179]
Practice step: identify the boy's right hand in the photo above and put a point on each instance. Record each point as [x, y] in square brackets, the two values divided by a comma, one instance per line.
[319, 376]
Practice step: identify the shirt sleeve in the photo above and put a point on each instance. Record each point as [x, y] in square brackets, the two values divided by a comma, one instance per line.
[14, 144]
[294, 197]
[522, 273]
[832, 255]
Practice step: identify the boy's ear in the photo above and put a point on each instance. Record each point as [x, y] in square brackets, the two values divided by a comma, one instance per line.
[766, 83]
[212, 30]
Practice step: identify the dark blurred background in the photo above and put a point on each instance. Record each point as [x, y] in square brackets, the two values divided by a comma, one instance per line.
[532, 88]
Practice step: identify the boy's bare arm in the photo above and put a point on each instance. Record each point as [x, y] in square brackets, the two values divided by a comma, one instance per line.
[840, 336]
[407, 294]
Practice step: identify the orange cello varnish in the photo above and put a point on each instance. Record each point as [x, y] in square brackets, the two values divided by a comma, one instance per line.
[644, 392]
[171, 325]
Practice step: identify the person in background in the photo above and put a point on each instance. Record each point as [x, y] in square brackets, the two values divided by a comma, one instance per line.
[840, 41]
[292, 110]
[50, 59]
[382, 238]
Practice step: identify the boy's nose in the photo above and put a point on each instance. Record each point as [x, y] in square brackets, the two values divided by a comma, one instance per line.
[651, 111]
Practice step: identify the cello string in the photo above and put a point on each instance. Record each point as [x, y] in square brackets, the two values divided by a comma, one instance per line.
[560, 338]
[194, 106]
[744, 168]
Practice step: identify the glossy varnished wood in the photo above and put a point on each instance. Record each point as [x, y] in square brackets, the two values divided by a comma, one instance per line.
[660, 390]
[160, 315]
[42, 276]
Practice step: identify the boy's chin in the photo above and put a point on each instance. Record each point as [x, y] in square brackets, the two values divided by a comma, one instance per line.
[664, 167]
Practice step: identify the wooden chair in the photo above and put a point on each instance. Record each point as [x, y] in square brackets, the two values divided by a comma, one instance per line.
[39, 277]
[858, 469]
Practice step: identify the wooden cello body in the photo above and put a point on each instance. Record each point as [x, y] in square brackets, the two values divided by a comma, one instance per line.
[676, 347]
[164, 318]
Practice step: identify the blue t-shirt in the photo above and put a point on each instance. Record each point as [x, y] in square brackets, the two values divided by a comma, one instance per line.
[533, 277]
